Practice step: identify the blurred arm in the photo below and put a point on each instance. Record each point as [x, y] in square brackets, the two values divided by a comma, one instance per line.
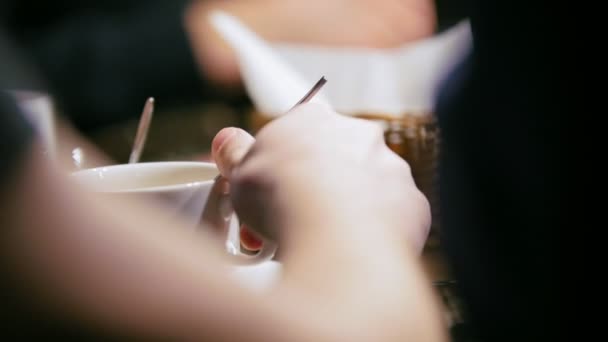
[119, 268]
[126, 269]
[114, 266]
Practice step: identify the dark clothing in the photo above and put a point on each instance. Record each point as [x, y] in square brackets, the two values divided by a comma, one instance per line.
[15, 131]
[102, 59]
[450, 12]
[502, 175]
[15, 134]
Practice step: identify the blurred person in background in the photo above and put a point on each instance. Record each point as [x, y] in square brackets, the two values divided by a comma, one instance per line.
[102, 59]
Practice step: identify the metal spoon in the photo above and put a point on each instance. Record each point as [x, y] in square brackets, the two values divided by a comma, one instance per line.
[142, 131]
[307, 97]
[311, 93]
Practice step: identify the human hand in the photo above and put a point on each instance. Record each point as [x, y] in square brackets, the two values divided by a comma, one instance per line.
[339, 170]
[347, 215]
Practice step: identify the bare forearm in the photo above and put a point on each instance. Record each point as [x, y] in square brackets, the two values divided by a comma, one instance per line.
[124, 270]
[131, 271]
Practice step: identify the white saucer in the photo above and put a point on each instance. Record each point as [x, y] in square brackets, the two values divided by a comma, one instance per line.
[259, 277]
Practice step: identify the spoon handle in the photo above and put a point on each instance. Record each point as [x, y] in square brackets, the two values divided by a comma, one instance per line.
[142, 131]
[311, 93]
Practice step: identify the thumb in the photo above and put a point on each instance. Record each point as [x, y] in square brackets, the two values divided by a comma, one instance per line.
[228, 148]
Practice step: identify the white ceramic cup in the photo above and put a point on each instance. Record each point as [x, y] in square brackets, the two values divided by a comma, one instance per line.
[190, 190]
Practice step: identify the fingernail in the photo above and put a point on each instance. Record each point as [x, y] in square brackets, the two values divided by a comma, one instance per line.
[222, 137]
[248, 239]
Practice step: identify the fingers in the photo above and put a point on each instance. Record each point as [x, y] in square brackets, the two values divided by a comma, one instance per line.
[250, 241]
[228, 148]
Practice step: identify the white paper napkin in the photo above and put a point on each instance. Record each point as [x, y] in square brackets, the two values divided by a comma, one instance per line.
[273, 85]
[360, 81]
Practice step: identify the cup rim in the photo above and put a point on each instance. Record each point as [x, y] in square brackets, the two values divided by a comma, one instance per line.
[160, 164]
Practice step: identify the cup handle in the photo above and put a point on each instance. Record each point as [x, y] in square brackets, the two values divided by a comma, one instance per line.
[219, 215]
[233, 245]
